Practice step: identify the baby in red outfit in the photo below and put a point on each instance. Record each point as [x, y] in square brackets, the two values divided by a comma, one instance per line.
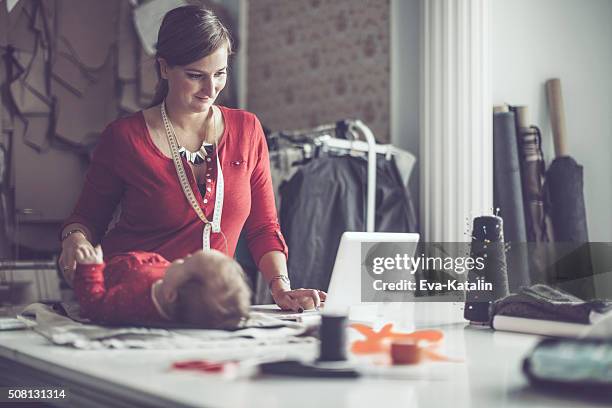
[206, 289]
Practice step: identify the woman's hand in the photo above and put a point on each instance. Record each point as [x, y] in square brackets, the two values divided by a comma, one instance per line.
[298, 300]
[67, 260]
[273, 266]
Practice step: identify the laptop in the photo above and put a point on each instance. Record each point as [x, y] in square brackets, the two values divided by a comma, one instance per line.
[344, 292]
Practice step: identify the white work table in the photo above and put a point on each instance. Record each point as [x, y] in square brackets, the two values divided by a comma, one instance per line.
[490, 375]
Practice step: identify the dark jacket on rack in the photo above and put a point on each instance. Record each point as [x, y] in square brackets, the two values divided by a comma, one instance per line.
[326, 197]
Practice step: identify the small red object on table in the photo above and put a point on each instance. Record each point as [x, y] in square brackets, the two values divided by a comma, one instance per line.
[200, 365]
[405, 352]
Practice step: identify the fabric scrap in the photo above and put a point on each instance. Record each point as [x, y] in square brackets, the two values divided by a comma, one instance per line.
[28, 91]
[259, 332]
[57, 180]
[147, 78]
[80, 24]
[80, 118]
[148, 18]
[128, 45]
[20, 21]
[547, 303]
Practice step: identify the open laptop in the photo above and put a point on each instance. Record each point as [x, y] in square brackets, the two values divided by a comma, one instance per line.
[344, 292]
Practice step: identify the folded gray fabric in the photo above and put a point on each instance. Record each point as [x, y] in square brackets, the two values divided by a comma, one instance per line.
[258, 332]
[546, 303]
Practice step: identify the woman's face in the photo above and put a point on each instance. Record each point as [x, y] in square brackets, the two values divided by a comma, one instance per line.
[195, 87]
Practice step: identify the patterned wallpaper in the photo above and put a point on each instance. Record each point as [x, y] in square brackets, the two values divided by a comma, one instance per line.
[312, 62]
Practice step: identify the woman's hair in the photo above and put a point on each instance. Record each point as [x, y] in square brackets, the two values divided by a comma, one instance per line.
[186, 35]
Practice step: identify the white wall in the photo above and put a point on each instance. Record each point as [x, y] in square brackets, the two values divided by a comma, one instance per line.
[533, 40]
[405, 82]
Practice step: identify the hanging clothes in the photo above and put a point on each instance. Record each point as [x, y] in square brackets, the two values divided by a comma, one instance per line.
[283, 165]
[405, 162]
[326, 197]
[284, 162]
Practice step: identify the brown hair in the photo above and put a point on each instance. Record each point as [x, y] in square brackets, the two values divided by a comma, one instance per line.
[220, 301]
[187, 34]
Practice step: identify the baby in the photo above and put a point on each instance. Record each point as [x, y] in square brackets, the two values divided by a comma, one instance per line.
[206, 289]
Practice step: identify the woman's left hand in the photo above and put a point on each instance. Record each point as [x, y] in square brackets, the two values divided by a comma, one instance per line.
[299, 300]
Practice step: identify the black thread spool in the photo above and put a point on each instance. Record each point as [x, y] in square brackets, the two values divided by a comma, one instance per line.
[488, 244]
[333, 338]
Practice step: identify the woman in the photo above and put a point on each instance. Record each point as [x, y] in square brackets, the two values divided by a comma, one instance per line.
[216, 182]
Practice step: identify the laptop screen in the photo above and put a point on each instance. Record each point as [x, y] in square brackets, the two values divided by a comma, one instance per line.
[350, 269]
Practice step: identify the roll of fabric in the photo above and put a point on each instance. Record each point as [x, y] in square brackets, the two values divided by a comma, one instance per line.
[537, 223]
[508, 194]
[573, 270]
[544, 302]
[531, 159]
[565, 187]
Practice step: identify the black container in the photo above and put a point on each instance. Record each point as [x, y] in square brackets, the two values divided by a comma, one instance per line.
[333, 338]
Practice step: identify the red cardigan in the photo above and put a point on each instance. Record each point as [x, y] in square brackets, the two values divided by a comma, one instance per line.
[120, 292]
[127, 167]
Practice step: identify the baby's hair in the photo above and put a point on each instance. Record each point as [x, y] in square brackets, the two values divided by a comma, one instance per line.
[218, 300]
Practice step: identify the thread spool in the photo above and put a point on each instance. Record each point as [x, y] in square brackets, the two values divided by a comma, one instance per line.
[404, 352]
[488, 244]
[333, 338]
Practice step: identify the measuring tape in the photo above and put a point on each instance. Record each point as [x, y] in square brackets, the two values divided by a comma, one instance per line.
[215, 225]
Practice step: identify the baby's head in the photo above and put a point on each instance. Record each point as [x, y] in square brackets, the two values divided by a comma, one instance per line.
[215, 294]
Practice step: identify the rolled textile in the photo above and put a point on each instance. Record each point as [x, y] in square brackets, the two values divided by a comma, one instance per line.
[508, 195]
[565, 188]
[573, 271]
[532, 166]
[537, 224]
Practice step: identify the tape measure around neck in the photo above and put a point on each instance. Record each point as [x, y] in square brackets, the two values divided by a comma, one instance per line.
[215, 225]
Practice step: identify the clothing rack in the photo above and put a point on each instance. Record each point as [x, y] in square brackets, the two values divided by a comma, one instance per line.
[325, 136]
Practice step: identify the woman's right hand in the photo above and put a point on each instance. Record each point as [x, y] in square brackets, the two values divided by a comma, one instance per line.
[67, 259]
